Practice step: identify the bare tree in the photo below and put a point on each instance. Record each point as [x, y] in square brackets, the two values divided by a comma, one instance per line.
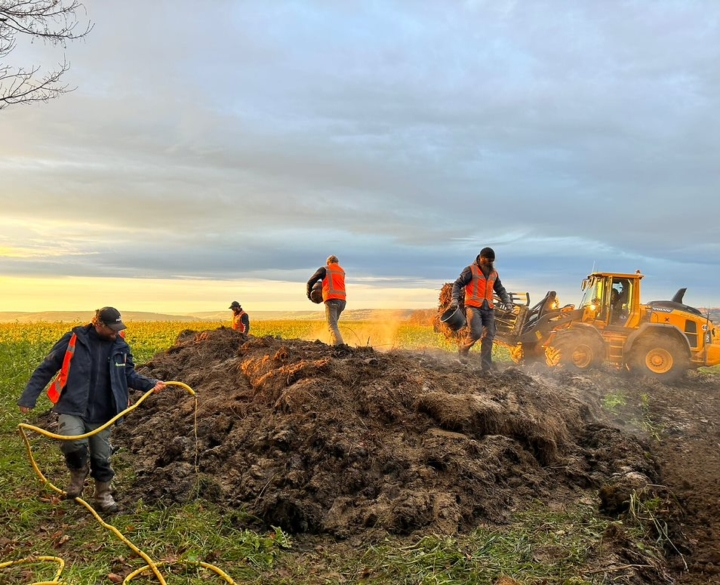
[54, 21]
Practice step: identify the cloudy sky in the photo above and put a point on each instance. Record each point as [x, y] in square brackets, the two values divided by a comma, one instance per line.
[223, 150]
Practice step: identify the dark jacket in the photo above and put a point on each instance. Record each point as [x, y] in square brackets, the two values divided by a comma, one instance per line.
[244, 319]
[74, 398]
[465, 278]
[320, 274]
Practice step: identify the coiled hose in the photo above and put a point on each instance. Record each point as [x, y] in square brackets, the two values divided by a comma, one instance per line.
[151, 565]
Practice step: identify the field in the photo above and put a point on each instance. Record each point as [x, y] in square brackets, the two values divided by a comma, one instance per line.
[552, 532]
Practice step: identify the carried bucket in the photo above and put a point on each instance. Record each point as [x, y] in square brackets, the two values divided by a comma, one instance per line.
[316, 293]
[453, 318]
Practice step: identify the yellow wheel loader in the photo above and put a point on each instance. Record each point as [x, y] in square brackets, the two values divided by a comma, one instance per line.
[661, 339]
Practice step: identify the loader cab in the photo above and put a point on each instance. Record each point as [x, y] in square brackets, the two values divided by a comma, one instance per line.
[618, 309]
[611, 300]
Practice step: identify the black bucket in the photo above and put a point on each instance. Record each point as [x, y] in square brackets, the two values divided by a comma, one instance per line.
[316, 293]
[453, 318]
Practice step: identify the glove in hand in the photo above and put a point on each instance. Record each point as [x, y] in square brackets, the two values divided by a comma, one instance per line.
[453, 304]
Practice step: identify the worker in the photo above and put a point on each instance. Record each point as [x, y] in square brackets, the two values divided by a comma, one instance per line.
[333, 294]
[480, 280]
[96, 369]
[618, 314]
[240, 320]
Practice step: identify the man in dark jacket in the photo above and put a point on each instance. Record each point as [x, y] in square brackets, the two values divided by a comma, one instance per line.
[334, 296]
[95, 369]
[480, 280]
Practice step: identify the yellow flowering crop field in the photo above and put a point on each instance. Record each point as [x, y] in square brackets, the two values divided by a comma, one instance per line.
[149, 337]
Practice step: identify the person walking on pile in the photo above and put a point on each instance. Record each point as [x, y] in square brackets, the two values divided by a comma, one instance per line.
[240, 320]
[480, 280]
[96, 369]
[333, 294]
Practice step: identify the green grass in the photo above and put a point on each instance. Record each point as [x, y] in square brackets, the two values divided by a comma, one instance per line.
[541, 546]
[647, 421]
[613, 401]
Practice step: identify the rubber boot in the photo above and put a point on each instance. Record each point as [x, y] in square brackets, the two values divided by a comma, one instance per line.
[77, 482]
[103, 497]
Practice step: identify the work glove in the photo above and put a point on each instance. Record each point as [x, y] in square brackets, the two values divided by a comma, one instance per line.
[453, 304]
[509, 307]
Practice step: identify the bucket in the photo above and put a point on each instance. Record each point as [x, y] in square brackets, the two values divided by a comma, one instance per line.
[453, 318]
[316, 293]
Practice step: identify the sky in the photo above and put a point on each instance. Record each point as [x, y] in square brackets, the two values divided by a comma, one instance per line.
[222, 154]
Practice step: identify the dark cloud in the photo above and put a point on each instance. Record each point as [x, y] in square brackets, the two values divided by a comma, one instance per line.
[257, 137]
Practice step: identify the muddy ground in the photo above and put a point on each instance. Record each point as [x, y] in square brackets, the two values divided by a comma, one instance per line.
[684, 430]
[345, 442]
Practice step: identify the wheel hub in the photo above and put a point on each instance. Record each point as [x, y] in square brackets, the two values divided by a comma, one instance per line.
[581, 356]
[659, 361]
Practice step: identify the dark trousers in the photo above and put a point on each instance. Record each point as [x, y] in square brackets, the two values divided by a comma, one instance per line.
[480, 325]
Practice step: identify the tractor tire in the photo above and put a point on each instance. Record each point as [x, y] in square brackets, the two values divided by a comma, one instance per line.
[517, 354]
[575, 350]
[659, 356]
[527, 354]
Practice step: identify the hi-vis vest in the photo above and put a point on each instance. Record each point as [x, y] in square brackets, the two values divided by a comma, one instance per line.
[238, 325]
[58, 383]
[480, 289]
[333, 285]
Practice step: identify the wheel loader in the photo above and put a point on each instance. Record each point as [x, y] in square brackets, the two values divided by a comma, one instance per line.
[660, 339]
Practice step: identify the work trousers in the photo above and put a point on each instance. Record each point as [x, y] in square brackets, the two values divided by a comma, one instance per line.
[97, 447]
[480, 325]
[333, 308]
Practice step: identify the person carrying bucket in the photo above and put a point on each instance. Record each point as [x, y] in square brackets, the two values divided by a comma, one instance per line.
[334, 294]
[479, 280]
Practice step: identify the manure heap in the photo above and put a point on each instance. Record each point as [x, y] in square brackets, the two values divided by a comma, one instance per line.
[345, 441]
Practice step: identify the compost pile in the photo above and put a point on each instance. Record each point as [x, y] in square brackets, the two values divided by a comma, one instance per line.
[348, 441]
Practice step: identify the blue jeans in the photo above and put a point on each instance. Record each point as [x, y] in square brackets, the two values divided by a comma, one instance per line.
[333, 308]
[480, 325]
[76, 452]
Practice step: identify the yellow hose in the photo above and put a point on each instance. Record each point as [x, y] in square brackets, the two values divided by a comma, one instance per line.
[152, 566]
[31, 560]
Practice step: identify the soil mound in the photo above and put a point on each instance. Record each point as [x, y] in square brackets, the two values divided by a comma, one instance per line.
[344, 441]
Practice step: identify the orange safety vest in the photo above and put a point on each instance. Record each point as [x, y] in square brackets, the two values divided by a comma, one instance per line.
[480, 289]
[333, 285]
[238, 325]
[58, 383]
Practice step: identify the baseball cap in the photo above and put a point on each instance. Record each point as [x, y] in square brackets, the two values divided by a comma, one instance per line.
[234, 304]
[488, 253]
[110, 316]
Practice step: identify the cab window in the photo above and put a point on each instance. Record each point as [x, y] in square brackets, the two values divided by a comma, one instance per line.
[593, 294]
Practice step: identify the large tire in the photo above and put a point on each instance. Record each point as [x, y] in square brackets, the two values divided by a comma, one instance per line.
[659, 356]
[575, 350]
[526, 354]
